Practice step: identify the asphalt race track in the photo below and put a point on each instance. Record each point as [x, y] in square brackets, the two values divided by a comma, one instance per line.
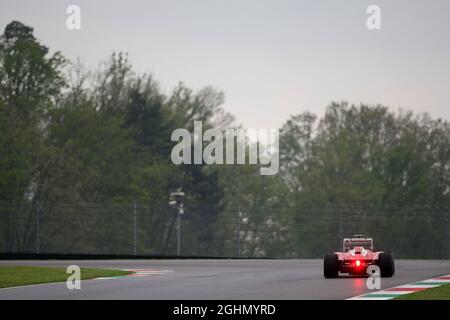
[219, 279]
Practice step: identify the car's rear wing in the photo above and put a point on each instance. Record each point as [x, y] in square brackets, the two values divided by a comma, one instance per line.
[350, 243]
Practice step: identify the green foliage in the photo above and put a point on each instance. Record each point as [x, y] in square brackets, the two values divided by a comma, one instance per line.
[362, 156]
[104, 138]
[15, 276]
[441, 292]
[30, 83]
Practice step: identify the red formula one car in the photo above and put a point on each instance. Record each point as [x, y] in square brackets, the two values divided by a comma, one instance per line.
[357, 256]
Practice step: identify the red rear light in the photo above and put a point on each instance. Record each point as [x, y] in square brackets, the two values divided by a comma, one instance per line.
[358, 263]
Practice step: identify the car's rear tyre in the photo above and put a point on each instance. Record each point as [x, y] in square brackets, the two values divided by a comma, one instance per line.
[386, 264]
[331, 266]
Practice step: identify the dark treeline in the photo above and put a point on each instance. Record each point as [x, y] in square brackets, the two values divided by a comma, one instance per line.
[79, 148]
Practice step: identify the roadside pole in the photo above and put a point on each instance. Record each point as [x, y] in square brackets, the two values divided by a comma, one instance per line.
[238, 232]
[38, 231]
[178, 234]
[448, 234]
[180, 213]
[135, 227]
[176, 200]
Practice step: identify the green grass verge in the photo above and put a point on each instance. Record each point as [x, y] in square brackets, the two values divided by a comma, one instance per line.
[437, 293]
[13, 276]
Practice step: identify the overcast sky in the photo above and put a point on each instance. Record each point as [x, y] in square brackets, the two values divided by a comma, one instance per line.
[272, 58]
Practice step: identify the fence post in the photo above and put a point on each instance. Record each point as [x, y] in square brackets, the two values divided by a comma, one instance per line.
[238, 232]
[38, 231]
[135, 227]
[447, 255]
[180, 212]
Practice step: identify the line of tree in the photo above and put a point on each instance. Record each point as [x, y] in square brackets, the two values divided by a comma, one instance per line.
[70, 135]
